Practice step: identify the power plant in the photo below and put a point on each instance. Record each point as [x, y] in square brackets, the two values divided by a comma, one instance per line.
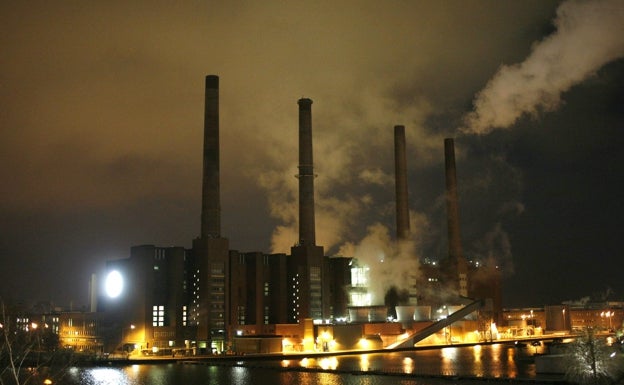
[210, 299]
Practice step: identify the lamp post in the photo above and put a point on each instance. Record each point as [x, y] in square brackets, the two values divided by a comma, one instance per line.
[608, 314]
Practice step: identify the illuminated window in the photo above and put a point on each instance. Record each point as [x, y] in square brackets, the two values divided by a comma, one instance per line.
[360, 299]
[359, 276]
[241, 315]
[158, 315]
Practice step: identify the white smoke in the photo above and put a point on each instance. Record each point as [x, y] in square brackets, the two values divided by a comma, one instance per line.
[390, 264]
[589, 35]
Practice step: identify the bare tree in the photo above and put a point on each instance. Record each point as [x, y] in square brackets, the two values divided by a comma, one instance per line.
[27, 352]
[592, 361]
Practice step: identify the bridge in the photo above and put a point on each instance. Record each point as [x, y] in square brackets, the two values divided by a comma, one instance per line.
[420, 335]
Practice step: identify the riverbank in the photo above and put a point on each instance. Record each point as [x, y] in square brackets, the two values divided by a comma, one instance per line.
[215, 358]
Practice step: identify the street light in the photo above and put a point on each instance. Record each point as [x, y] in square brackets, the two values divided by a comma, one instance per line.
[114, 284]
[608, 314]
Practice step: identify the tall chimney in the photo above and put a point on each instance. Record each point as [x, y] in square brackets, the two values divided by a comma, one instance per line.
[306, 175]
[452, 210]
[400, 177]
[211, 206]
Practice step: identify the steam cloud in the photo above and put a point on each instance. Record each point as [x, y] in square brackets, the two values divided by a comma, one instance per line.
[589, 35]
[390, 264]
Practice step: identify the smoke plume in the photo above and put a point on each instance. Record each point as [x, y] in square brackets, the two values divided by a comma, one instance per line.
[589, 35]
[390, 264]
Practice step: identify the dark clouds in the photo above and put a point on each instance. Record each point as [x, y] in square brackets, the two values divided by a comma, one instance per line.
[101, 108]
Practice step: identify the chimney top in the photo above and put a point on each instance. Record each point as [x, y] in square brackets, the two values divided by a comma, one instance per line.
[212, 81]
[304, 102]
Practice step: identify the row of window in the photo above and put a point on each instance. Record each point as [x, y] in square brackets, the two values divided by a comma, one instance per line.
[158, 315]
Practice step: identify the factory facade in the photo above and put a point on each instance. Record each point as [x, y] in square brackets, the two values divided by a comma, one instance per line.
[204, 298]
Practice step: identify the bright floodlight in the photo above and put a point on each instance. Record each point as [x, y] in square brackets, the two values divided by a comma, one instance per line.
[114, 284]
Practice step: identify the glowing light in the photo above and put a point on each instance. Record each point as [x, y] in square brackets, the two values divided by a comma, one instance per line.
[114, 284]
[364, 343]
[106, 376]
[476, 351]
[449, 354]
[494, 330]
[47, 381]
[329, 363]
[305, 362]
[364, 363]
[408, 365]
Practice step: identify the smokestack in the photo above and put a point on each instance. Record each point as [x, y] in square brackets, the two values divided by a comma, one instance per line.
[400, 177]
[306, 175]
[93, 291]
[211, 206]
[452, 211]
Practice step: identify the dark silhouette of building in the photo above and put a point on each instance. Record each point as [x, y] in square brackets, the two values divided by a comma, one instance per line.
[305, 265]
[400, 179]
[258, 289]
[455, 266]
[211, 250]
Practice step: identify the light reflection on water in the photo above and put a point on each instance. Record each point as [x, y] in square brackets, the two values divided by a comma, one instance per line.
[492, 361]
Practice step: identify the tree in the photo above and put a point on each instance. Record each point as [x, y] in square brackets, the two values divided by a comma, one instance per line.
[592, 361]
[28, 352]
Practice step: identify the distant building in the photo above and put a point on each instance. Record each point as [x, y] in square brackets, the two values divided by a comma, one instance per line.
[80, 332]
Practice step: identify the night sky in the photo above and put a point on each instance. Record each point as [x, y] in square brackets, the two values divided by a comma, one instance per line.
[101, 127]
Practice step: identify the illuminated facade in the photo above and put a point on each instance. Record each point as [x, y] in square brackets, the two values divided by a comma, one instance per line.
[151, 309]
[79, 331]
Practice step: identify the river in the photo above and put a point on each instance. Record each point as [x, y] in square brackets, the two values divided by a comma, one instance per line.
[498, 363]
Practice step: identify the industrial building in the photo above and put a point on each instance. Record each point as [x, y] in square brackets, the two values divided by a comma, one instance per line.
[211, 299]
[205, 298]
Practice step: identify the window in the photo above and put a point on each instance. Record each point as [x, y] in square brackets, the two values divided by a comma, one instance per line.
[359, 276]
[360, 299]
[241, 315]
[158, 315]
